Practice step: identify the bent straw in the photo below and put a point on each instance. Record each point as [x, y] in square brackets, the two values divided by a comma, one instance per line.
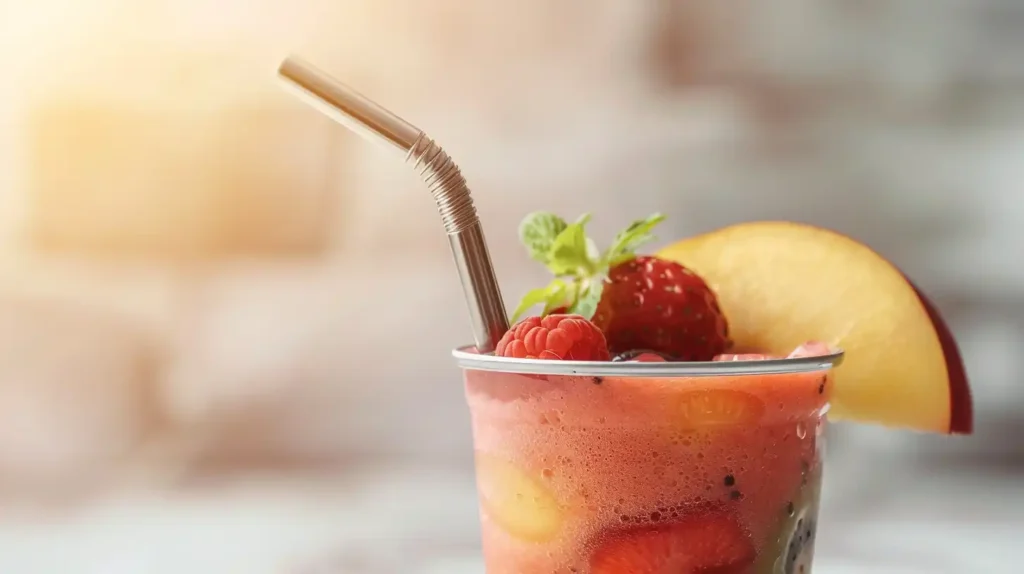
[444, 179]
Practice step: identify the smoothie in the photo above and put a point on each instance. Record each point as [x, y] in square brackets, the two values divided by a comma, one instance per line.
[663, 414]
[606, 474]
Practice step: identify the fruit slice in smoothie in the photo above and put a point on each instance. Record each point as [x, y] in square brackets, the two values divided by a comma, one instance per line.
[781, 284]
[712, 408]
[702, 543]
[517, 502]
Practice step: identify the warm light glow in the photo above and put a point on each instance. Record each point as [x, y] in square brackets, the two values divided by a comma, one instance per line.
[59, 41]
[157, 125]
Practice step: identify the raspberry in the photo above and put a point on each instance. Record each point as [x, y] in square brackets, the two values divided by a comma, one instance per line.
[554, 338]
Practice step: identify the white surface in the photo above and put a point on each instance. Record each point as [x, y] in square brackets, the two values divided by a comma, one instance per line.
[411, 520]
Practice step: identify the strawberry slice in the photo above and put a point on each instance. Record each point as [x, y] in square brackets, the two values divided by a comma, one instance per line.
[719, 407]
[700, 544]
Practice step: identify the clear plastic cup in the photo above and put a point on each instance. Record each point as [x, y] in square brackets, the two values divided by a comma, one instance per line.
[636, 468]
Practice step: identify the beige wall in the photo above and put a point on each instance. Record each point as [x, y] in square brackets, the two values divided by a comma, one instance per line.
[910, 141]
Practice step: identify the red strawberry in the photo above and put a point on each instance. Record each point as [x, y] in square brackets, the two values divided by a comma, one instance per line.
[554, 337]
[656, 304]
[697, 545]
[638, 302]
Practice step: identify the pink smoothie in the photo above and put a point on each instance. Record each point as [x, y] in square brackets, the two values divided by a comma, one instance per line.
[567, 463]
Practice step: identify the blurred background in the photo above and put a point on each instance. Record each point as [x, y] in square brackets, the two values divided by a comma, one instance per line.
[225, 322]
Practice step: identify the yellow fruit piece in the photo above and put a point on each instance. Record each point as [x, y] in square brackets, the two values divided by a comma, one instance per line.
[781, 284]
[719, 408]
[523, 506]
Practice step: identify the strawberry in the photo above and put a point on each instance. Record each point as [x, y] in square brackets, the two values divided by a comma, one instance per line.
[639, 302]
[554, 337]
[660, 305]
[697, 544]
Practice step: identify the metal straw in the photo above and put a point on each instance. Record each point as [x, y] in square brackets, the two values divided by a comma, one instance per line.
[442, 176]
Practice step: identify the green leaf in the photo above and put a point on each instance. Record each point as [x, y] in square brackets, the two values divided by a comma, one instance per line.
[581, 270]
[631, 238]
[538, 231]
[562, 299]
[586, 305]
[593, 253]
[559, 293]
[569, 297]
[552, 296]
[620, 259]
[568, 254]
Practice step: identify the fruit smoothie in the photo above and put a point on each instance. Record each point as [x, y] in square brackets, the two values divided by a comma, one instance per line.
[636, 475]
[663, 414]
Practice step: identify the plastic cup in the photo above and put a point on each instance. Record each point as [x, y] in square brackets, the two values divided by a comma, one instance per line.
[630, 468]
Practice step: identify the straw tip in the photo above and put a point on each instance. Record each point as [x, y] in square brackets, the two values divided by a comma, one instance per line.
[289, 63]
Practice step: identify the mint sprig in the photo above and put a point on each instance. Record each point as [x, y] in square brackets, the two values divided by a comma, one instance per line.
[631, 238]
[538, 232]
[580, 269]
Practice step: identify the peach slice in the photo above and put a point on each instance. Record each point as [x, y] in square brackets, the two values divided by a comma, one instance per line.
[517, 502]
[781, 284]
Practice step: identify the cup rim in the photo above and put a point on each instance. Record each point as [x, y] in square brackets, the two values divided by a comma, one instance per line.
[468, 359]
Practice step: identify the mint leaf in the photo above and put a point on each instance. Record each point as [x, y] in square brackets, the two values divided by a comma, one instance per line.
[538, 231]
[564, 299]
[559, 294]
[631, 238]
[586, 305]
[568, 254]
[581, 270]
[593, 253]
[552, 296]
[621, 258]
[573, 295]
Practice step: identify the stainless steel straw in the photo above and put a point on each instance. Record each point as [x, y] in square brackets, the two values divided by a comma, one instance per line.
[442, 176]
